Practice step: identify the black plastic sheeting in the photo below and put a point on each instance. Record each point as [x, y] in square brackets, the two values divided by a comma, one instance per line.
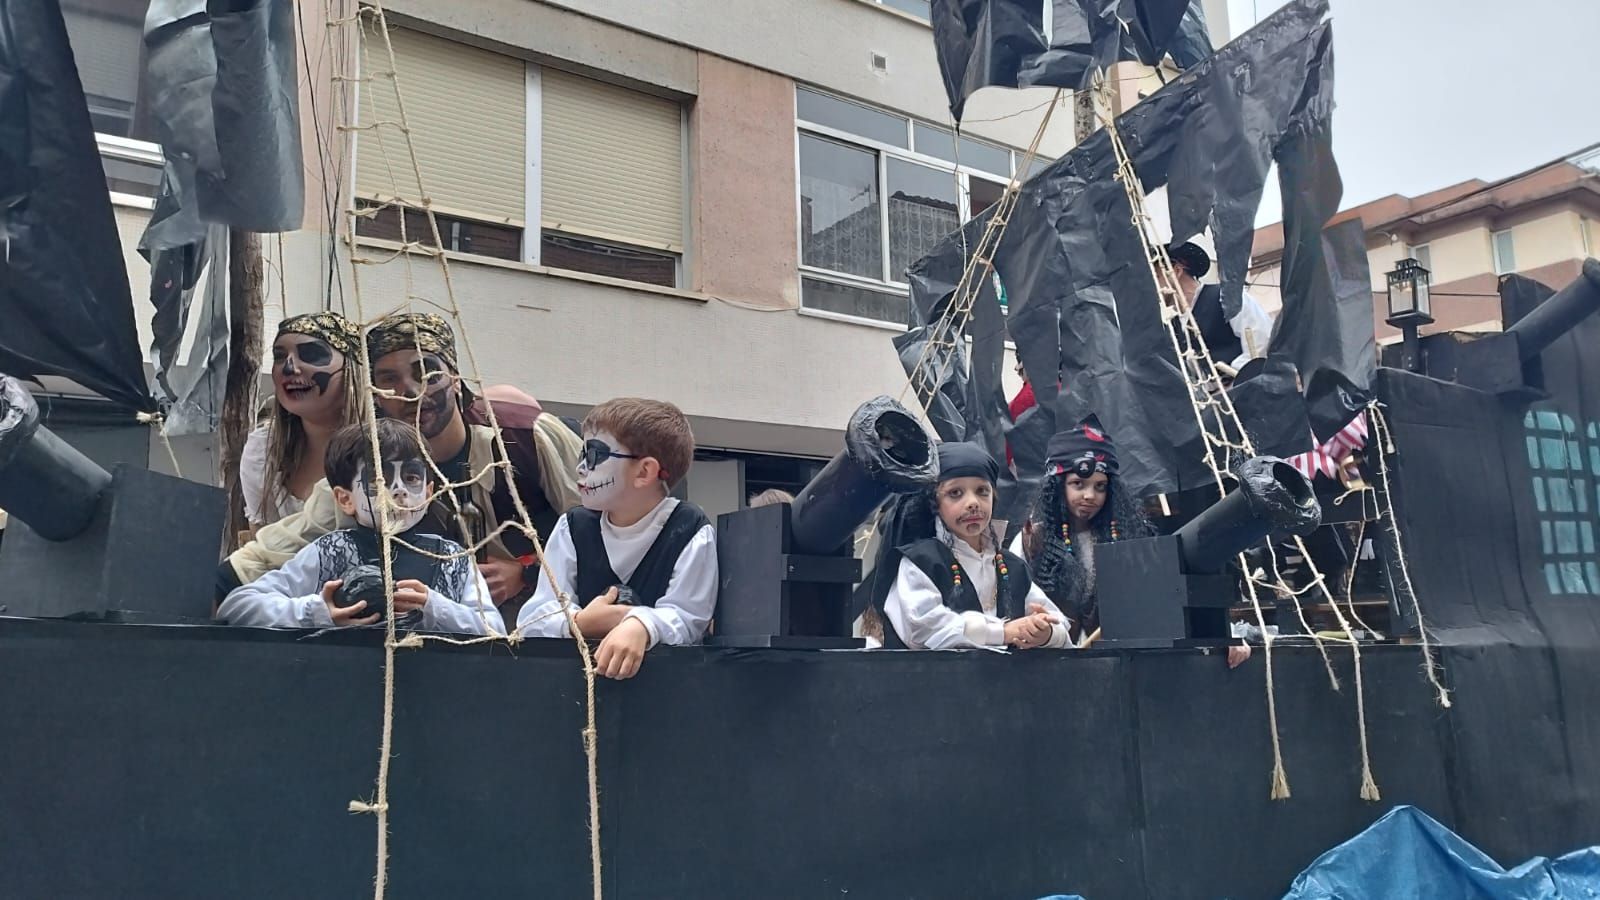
[64, 297]
[1082, 301]
[224, 98]
[1002, 43]
[726, 773]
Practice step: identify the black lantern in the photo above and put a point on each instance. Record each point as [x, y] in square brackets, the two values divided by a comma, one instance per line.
[1409, 306]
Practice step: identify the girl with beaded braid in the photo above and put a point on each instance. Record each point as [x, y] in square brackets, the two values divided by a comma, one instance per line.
[1081, 503]
[955, 586]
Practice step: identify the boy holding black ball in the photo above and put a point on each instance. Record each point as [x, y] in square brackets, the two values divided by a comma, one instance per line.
[437, 586]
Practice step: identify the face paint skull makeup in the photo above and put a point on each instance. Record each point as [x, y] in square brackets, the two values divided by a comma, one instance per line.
[303, 368]
[425, 391]
[408, 491]
[601, 470]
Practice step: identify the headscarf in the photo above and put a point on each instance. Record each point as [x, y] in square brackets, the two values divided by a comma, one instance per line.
[426, 332]
[329, 327]
[966, 460]
[1082, 450]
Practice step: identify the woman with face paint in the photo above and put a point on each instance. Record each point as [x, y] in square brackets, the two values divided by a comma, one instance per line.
[955, 587]
[316, 386]
[1081, 503]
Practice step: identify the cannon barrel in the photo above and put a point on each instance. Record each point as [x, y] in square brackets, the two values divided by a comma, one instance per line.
[1272, 498]
[885, 451]
[44, 482]
[1559, 314]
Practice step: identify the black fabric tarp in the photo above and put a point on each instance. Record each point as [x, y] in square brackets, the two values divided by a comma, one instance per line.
[64, 300]
[1082, 302]
[221, 79]
[1004, 43]
[788, 774]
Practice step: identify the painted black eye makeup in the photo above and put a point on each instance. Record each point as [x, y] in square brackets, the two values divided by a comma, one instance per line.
[313, 353]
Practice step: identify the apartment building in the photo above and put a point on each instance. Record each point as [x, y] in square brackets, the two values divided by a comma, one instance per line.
[1540, 223]
[707, 202]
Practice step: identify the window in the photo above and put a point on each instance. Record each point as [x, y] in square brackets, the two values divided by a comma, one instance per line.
[1505, 257]
[918, 8]
[107, 38]
[1561, 495]
[1423, 254]
[877, 192]
[1587, 236]
[606, 193]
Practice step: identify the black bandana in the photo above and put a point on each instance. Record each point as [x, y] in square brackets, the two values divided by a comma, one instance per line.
[1082, 450]
[963, 460]
[329, 327]
[414, 331]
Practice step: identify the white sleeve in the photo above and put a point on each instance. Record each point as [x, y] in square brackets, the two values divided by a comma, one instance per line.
[287, 597]
[1254, 329]
[1061, 631]
[474, 614]
[1016, 545]
[253, 473]
[918, 614]
[542, 615]
[681, 615]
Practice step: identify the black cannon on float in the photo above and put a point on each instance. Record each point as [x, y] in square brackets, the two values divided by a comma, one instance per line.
[786, 571]
[1506, 363]
[1172, 589]
[128, 544]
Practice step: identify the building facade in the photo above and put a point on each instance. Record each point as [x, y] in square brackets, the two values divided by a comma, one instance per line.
[707, 202]
[1541, 223]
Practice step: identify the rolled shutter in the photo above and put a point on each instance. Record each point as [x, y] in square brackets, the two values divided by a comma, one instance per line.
[467, 112]
[612, 162]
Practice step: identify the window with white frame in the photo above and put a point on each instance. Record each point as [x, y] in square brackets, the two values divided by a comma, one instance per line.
[1587, 235]
[562, 170]
[107, 38]
[1505, 256]
[918, 8]
[877, 191]
[1423, 254]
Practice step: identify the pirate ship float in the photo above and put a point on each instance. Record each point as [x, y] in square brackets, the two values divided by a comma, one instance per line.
[145, 755]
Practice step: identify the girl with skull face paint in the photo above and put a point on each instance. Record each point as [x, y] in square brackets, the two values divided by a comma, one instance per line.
[318, 385]
[1081, 503]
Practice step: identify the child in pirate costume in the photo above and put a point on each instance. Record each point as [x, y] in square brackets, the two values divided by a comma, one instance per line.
[638, 566]
[954, 586]
[437, 588]
[1081, 503]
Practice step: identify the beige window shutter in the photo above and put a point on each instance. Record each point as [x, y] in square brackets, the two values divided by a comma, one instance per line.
[613, 162]
[467, 111]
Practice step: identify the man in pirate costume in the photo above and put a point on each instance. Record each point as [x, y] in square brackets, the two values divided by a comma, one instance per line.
[337, 579]
[415, 376]
[1081, 503]
[1233, 341]
[948, 584]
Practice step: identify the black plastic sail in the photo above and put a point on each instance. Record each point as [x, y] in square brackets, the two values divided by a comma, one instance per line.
[885, 451]
[1272, 498]
[44, 482]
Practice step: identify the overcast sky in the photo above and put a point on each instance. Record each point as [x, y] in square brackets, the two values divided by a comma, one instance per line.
[1432, 92]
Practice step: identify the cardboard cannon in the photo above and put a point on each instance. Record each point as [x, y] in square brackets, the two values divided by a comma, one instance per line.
[1172, 590]
[129, 545]
[786, 571]
[1507, 363]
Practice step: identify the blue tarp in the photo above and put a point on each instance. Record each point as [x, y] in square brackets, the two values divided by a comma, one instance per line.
[1406, 854]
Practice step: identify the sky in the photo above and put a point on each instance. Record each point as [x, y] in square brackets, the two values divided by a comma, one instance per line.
[1433, 92]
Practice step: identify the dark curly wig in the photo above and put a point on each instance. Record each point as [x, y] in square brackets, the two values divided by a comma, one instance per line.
[1054, 566]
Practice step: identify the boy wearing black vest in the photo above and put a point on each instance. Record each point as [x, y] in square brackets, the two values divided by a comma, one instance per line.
[956, 587]
[638, 566]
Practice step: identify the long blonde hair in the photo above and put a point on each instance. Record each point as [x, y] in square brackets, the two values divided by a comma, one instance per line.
[286, 437]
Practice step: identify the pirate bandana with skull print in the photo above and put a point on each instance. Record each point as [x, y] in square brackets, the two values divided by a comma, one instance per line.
[1082, 451]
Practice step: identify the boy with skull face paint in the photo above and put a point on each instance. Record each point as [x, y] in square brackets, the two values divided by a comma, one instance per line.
[437, 587]
[638, 565]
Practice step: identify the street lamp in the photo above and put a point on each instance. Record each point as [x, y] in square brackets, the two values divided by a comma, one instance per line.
[1409, 307]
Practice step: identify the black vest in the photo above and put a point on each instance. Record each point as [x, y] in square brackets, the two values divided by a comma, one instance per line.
[654, 574]
[1214, 328]
[935, 559]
